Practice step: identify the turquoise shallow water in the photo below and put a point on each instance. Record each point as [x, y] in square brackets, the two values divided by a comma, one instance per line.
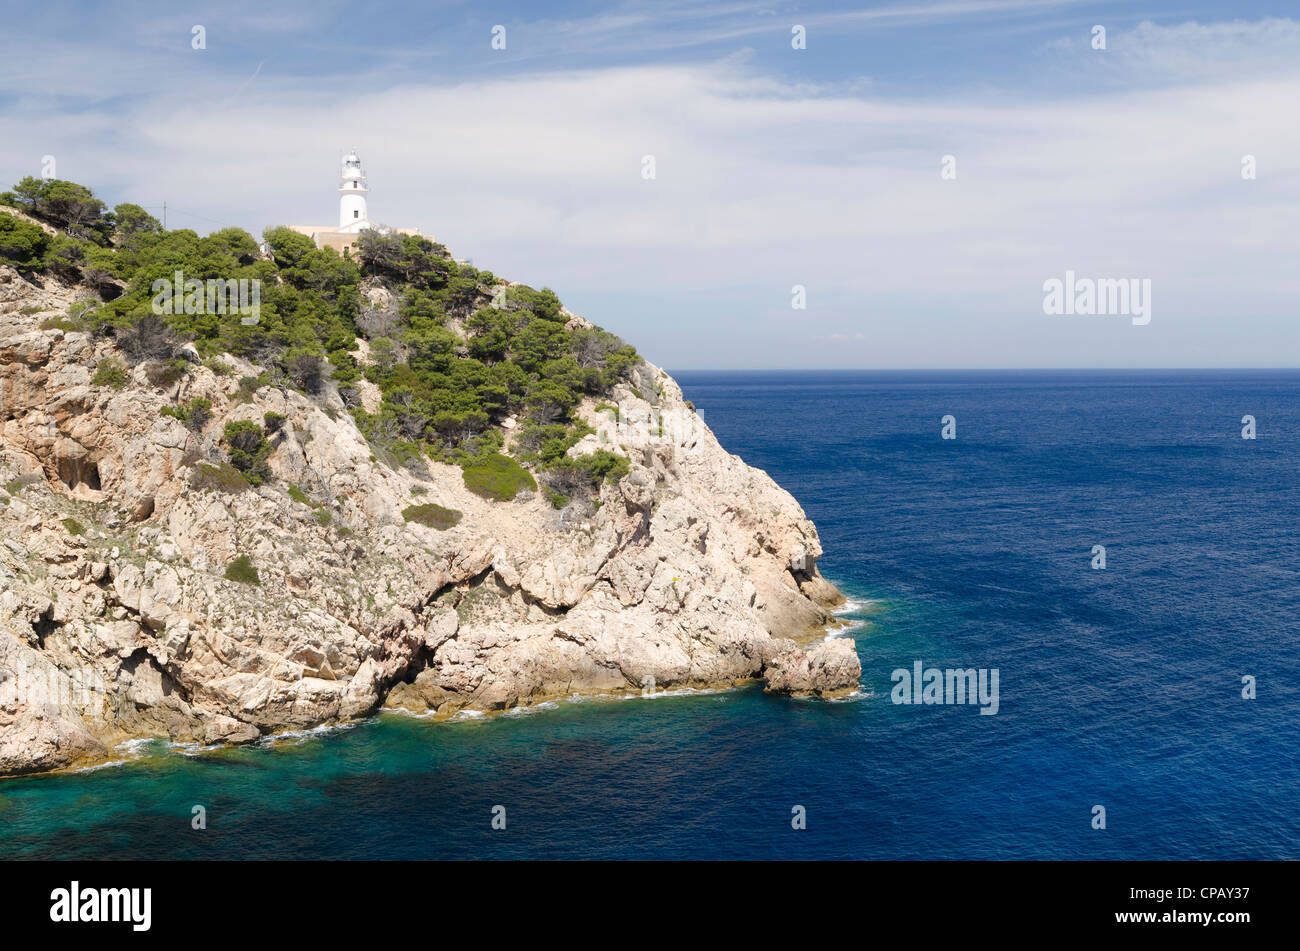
[1118, 687]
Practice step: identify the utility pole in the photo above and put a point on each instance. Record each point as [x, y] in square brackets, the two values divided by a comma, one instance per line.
[164, 216]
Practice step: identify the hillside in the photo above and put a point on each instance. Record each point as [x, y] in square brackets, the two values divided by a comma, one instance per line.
[395, 480]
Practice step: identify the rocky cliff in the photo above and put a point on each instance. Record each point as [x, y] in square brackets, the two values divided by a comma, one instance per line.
[122, 614]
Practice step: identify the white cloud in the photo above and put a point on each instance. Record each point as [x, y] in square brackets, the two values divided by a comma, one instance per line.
[1204, 50]
[763, 184]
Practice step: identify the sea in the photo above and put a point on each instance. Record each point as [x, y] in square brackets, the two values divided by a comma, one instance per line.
[1107, 542]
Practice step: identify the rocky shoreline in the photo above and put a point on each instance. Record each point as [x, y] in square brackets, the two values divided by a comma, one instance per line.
[120, 617]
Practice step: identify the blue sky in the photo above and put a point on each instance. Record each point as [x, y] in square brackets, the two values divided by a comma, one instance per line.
[775, 167]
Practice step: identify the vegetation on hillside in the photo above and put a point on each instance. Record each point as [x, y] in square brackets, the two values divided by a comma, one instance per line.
[431, 514]
[242, 570]
[455, 353]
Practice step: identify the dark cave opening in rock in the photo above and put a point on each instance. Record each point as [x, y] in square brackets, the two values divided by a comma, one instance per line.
[45, 625]
[75, 472]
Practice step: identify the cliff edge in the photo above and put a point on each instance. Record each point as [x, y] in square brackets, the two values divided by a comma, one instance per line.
[146, 589]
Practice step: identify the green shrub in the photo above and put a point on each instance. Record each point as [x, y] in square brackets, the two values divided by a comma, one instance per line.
[548, 444]
[80, 317]
[498, 477]
[246, 443]
[603, 464]
[195, 414]
[64, 258]
[298, 495]
[557, 499]
[74, 527]
[22, 243]
[585, 473]
[110, 372]
[242, 570]
[432, 515]
[220, 478]
[323, 516]
[248, 385]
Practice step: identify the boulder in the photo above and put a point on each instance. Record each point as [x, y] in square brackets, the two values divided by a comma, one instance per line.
[830, 669]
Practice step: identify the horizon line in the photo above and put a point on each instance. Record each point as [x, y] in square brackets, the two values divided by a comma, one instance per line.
[982, 369]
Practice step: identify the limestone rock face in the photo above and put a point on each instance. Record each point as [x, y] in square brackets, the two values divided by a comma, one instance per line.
[40, 724]
[827, 670]
[118, 620]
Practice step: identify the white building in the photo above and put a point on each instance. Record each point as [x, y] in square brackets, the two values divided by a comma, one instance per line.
[353, 190]
[353, 214]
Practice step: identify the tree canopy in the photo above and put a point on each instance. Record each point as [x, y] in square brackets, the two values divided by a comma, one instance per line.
[454, 353]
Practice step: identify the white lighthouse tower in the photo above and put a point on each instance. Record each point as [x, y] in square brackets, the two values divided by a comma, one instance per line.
[353, 217]
[352, 195]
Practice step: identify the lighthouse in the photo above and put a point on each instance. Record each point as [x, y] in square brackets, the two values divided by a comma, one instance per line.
[353, 216]
[352, 195]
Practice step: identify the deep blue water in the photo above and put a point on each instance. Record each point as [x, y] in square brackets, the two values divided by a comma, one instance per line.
[1118, 687]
